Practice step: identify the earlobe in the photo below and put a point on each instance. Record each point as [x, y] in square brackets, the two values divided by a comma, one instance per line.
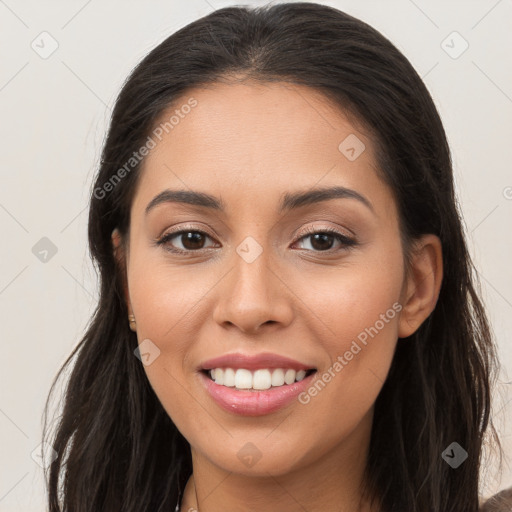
[423, 285]
[116, 244]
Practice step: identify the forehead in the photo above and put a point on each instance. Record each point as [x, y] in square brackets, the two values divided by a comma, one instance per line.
[243, 140]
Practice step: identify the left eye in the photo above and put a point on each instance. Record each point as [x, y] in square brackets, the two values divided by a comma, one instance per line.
[321, 238]
[193, 240]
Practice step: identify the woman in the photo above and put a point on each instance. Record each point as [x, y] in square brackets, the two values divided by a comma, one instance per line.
[233, 363]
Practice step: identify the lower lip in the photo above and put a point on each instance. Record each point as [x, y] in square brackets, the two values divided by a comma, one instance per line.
[254, 403]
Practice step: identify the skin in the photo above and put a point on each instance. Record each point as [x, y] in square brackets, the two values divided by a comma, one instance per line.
[248, 144]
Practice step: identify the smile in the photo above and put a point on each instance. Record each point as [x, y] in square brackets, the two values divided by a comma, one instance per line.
[250, 401]
[257, 380]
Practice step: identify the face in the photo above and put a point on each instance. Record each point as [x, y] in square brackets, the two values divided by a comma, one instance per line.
[267, 282]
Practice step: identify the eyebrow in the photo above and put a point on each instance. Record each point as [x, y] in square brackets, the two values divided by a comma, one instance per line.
[289, 201]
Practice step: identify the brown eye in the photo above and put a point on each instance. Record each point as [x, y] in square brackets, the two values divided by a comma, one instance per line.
[323, 240]
[190, 240]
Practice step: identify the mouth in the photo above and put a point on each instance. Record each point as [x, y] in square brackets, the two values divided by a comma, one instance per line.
[255, 393]
[262, 379]
[255, 384]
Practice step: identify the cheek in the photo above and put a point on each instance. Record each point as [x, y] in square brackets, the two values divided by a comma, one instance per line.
[164, 298]
[168, 303]
[358, 309]
[164, 303]
[356, 301]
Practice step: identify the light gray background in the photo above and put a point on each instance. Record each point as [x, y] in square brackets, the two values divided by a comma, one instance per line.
[54, 114]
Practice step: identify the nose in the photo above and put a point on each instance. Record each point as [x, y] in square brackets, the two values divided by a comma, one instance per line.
[253, 295]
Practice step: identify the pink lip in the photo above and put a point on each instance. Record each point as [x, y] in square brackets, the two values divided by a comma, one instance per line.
[254, 362]
[254, 403]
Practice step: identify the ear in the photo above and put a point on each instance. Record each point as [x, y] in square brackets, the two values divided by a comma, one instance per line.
[422, 285]
[120, 257]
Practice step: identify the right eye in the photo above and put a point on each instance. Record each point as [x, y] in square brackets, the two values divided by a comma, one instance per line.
[192, 242]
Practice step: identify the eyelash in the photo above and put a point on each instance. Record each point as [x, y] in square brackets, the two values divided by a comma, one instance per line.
[346, 242]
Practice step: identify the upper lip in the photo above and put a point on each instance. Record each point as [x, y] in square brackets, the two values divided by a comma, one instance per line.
[254, 362]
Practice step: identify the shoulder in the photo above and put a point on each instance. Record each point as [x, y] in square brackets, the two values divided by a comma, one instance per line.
[501, 502]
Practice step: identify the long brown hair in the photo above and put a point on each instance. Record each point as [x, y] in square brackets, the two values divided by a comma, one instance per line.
[117, 448]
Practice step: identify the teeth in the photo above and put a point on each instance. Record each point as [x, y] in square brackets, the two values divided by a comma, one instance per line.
[300, 375]
[261, 379]
[289, 376]
[277, 377]
[229, 377]
[219, 375]
[257, 380]
[243, 378]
